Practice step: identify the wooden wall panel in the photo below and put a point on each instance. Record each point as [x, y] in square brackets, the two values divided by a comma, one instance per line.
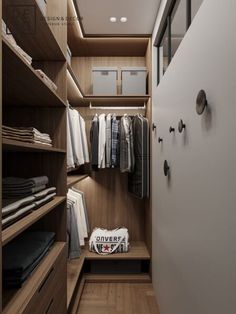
[110, 205]
[82, 67]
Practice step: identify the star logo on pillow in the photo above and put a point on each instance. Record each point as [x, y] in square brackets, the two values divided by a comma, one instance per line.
[106, 248]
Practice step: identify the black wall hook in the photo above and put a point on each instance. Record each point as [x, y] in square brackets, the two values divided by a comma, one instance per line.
[154, 126]
[201, 102]
[181, 126]
[160, 140]
[171, 129]
[166, 168]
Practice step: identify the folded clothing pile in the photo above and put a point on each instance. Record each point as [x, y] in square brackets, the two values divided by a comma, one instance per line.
[11, 40]
[46, 79]
[13, 187]
[22, 255]
[22, 196]
[13, 210]
[26, 134]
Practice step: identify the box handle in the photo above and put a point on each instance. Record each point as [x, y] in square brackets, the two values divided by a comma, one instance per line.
[133, 73]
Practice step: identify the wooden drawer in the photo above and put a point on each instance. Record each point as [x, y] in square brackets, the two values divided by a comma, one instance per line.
[51, 291]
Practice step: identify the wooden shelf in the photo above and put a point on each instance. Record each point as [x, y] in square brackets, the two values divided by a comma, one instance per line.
[73, 179]
[74, 268]
[38, 41]
[138, 251]
[18, 146]
[18, 227]
[14, 300]
[26, 87]
[119, 100]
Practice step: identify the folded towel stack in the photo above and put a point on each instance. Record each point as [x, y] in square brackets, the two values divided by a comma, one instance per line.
[26, 134]
[23, 254]
[11, 40]
[22, 196]
[46, 79]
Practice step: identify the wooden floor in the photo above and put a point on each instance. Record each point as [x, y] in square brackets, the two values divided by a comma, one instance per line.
[112, 298]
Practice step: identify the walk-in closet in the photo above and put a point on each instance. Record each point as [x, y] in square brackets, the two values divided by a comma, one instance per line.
[51, 80]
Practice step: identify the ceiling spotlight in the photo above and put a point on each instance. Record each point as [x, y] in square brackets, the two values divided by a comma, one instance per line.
[123, 19]
[113, 19]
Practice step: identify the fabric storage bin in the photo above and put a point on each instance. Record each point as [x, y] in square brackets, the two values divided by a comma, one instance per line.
[104, 80]
[133, 80]
[43, 6]
[68, 55]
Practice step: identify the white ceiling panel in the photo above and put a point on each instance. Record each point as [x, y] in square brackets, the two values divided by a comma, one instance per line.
[141, 15]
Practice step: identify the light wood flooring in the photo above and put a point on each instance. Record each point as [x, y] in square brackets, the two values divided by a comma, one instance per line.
[112, 298]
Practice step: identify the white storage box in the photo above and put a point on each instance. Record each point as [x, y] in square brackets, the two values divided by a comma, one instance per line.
[134, 80]
[43, 6]
[104, 80]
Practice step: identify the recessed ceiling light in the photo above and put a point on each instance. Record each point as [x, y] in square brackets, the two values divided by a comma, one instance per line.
[113, 19]
[123, 19]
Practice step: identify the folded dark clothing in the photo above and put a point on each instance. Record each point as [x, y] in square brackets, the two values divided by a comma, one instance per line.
[20, 193]
[23, 251]
[11, 280]
[30, 182]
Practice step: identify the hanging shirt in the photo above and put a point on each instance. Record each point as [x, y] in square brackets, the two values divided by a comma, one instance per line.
[108, 141]
[102, 141]
[114, 142]
[94, 134]
[76, 138]
[70, 157]
[84, 139]
[126, 145]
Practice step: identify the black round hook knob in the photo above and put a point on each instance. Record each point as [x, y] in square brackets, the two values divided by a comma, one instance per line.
[171, 129]
[181, 126]
[166, 168]
[154, 126]
[201, 102]
[160, 140]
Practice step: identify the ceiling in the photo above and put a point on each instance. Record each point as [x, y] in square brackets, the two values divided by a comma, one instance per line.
[96, 15]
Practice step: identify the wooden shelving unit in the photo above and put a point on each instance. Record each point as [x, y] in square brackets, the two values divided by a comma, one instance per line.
[18, 146]
[73, 179]
[16, 301]
[29, 102]
[39, 40]
[11, 232]
[29, 88]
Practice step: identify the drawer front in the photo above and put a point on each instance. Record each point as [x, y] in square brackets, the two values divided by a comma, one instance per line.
[51, 291]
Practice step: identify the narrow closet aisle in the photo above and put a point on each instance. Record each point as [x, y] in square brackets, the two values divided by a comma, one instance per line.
[76, 217]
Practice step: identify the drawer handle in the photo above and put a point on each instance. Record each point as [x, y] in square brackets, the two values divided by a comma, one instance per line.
[46, 279]
[104, 72]
[49, 306]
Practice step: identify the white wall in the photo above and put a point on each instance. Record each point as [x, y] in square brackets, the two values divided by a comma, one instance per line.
[194, 214]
